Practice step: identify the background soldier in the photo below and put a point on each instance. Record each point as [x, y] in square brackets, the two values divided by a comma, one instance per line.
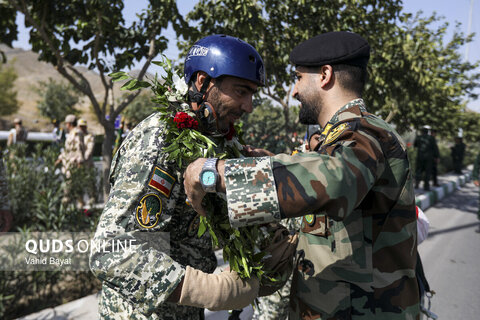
[71, 158]
[147, 198]
[458, 153]
[436, 158]
[357, 248]
[73, 154]
[18, 134]
[475, 176]
[426, 152]
[89, 142]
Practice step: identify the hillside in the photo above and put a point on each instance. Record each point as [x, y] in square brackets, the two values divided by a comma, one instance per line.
[30, 72]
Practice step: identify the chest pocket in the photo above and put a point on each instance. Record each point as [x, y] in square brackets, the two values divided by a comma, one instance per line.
[331, 234]
[316, 224]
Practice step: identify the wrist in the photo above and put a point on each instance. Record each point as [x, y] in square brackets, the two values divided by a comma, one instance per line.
[221, 186]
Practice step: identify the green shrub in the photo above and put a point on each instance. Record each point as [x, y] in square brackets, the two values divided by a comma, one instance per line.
[36, 190]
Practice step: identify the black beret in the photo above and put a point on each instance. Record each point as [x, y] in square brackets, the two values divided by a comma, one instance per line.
[338, 47]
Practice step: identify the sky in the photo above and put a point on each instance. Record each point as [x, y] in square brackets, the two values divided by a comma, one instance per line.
[452, 10]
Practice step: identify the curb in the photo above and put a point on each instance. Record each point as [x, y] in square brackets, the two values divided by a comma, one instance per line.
[429, 198]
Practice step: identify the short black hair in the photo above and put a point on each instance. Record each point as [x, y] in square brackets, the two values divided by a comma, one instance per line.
[351, 78]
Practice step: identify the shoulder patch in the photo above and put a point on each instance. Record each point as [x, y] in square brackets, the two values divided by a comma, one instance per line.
[335, 132]
[161, 181]
[149, 210]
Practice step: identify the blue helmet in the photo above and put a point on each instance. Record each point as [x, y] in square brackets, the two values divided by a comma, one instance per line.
[219, 55]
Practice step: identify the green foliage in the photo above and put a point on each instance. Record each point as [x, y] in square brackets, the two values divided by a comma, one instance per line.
[8, 27]
[94, 33]
[414, 72]
[36, 190]
[139, 109]
[8, 97]
[57, 99]
[261, 127]
[35, 193]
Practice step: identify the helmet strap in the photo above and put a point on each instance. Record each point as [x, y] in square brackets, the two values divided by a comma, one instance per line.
[199, 96]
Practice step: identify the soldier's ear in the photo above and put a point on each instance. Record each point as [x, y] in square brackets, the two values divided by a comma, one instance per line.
[326, 76]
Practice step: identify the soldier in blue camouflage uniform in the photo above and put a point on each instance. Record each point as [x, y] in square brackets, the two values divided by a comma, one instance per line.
[167, 275]
[357, 249]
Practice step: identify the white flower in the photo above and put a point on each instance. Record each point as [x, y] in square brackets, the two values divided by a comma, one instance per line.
[171, 96]
[179, 84]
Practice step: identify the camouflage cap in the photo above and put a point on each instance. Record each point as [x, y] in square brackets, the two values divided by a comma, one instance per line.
[82, 122]
[17, 120]
[70, 118]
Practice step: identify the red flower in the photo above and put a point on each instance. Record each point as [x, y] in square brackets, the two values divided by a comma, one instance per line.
[183, 120]
[87, 213]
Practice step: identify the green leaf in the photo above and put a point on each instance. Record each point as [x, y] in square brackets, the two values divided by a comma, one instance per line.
[201, 228]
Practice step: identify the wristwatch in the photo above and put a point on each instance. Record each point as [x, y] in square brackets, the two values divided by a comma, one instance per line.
[209, 175]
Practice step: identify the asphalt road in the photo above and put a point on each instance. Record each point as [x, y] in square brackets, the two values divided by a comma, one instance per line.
[451, 255]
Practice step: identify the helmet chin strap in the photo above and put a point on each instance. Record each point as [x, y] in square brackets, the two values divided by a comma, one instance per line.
[205, 113]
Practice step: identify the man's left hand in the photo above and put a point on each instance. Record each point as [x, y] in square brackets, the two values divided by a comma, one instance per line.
[193, 187]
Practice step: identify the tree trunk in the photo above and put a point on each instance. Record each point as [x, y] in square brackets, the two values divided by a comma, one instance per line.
[107, 149]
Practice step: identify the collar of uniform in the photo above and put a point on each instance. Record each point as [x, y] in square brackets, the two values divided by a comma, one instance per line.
[349, 111]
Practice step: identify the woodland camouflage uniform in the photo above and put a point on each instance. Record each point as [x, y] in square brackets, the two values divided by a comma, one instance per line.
[137, 284]
[357, 250]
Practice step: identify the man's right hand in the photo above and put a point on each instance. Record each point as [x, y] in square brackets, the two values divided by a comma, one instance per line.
[476, 182]
[224, 291]
[256, 152]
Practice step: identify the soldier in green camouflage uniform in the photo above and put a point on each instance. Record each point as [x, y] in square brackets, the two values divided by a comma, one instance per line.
[427, 152]
[147, 199]
[275, 306]
[357, 250]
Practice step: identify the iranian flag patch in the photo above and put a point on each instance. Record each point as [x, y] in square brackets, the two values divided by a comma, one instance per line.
[162, 181]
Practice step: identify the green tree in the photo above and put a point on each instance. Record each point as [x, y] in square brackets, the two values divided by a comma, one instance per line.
[8, 97]
[94, 33]
[413, 72]
[139, 109]
[260, 128]
[57, 99]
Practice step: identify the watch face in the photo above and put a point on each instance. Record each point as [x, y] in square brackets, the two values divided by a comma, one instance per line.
[208, 178]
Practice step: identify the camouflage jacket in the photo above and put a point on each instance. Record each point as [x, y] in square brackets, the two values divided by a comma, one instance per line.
[476, 166]
[357, 250]
[89, 142]
[73, 151]
[147, 204]
[426, 146]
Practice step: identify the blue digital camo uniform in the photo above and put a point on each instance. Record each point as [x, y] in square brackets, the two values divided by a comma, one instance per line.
[146, 201]
[357, 248]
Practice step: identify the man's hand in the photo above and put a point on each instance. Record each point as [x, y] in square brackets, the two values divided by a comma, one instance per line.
[193, 187]
[476, 182]
[256, 152]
